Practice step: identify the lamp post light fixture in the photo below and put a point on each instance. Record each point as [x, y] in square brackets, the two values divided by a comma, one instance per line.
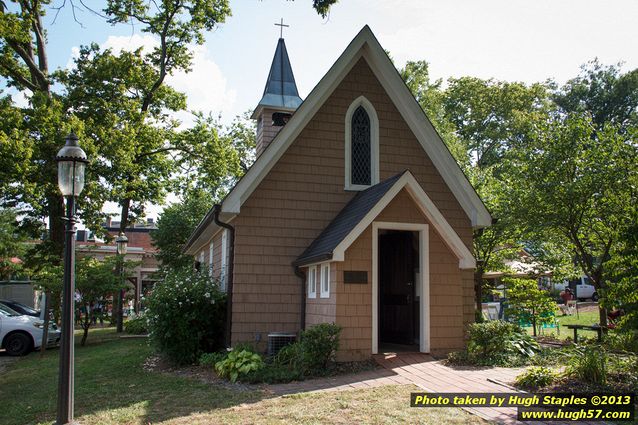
[122, 243]
[72, 162]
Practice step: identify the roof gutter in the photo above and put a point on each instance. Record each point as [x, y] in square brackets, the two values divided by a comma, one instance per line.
[208, 218]
[229, 276]
[301, 275]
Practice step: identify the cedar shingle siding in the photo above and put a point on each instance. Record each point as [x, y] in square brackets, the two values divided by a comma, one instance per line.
[303, 193]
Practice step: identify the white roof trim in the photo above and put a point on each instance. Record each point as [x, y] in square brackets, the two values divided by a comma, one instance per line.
[427, 207]
[365, 45]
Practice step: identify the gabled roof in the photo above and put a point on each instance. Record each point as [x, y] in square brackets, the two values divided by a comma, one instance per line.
[361, 211]
[347, 219]
[365, 45]
[281, 90]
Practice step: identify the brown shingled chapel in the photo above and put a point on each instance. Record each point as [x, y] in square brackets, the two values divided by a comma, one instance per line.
[354, 213]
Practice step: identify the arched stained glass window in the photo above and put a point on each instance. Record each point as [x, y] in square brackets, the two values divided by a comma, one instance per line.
[361, 148]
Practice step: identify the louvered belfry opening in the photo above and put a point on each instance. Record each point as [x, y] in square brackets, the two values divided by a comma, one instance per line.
[361, 150]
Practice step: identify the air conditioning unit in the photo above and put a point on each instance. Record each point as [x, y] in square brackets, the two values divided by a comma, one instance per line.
[278, 340]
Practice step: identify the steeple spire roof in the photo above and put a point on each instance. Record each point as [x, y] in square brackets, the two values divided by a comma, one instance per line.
[281, 90]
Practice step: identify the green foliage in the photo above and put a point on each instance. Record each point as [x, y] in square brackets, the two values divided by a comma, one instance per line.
[315, 350]
[589, 364]
[210, 359]
[323, 6]
[312, 355]
[238, 363]
[187, 314]
[273, 373]
[174, 227]
[137, 325]
[11, 243]
[496, 342]
[622, 340]
[95, 280]
[319, 345]
[536, 377]
[528, 303]
[622, 292]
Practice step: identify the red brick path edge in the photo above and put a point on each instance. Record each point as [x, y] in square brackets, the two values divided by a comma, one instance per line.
[427, 373]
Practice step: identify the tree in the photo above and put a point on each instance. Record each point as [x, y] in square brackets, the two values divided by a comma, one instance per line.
[610, 96]
[11, 244]
[528, 303]
[571, 182]
[176, 223]
[40, 127]
[95, 281]
[623, 277]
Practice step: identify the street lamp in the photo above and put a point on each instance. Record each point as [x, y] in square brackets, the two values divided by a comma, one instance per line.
[122, 243]
[71, 161]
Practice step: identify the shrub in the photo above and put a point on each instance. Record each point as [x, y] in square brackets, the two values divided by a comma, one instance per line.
[536, 377]
[457, 357]
[186, 315]
[320, 344]
[624, 340]
[529, 303]
[314, 352]
[238, 363]
[588, 364]
[210, 359]
[273, 373]
[495, 342]
[136, 325]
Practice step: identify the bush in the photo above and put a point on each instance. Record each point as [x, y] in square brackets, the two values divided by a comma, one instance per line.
[319, 345]
[588, 364]
[238, 363]
[210, 359]
[622, 340]
[497, 342]
[273, 373]
[136, 325]
[536, 377]
[314, 352]
[186, 315]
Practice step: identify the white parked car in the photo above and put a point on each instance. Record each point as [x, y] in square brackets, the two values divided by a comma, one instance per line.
[19, 334]
[583, 289]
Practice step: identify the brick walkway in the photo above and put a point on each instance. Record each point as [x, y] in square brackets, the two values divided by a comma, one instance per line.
[429, 374]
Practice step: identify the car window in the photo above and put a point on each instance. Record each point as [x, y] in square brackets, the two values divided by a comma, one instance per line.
[25, 308]
[7, 311]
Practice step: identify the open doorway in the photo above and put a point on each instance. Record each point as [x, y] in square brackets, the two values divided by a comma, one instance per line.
[399, 291]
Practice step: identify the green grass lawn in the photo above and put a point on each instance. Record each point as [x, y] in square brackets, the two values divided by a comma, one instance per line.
[112, 387]
[588, 317]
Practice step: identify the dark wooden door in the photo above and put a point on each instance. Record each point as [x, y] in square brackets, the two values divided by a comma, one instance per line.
[396, 288]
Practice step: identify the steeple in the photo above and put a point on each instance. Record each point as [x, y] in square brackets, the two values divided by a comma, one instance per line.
[279, 101]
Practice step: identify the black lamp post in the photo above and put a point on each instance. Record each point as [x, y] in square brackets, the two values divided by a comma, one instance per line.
[72, 162]
[122, 243]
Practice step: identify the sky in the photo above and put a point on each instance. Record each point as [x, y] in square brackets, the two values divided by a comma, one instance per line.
[514, 40]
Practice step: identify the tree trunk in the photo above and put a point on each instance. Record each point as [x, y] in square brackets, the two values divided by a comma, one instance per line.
[86, 325]
[124, 219]
[478, 291]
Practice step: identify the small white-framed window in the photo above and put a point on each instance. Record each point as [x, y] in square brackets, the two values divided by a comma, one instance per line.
[312, 282]
[325, 281]
[210, 259]
[361, 145]
[224, 253]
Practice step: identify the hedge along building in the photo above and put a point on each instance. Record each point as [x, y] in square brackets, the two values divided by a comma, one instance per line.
[354, 212]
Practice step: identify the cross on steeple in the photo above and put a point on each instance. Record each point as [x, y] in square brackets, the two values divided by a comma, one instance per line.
[281, 31]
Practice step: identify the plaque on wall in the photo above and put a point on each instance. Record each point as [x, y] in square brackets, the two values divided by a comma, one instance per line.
[360, 277]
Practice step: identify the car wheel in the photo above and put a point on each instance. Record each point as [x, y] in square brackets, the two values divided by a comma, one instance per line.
[594, 297]
[17, 344]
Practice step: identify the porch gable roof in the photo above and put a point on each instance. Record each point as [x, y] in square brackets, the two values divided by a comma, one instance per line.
[361, 211]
